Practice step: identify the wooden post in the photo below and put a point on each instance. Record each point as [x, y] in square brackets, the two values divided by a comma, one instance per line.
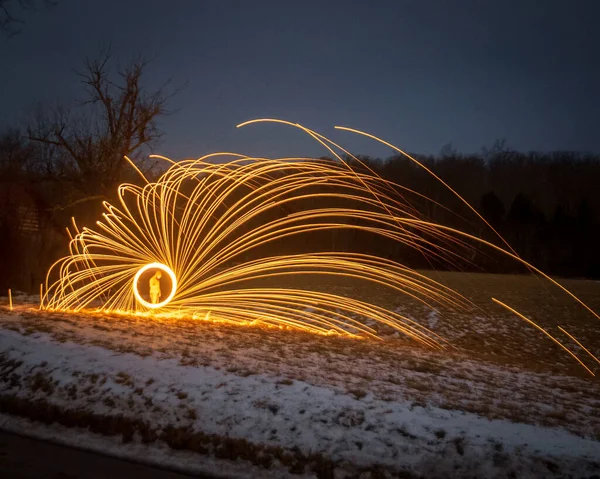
[10, 299]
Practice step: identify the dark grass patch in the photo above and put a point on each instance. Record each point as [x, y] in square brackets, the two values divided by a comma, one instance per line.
[42, 382]
[124, 379]
[358, 393]
[405, 433]
[459, 444]
[285, 382]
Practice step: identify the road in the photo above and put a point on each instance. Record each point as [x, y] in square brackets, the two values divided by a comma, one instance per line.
[25, 458]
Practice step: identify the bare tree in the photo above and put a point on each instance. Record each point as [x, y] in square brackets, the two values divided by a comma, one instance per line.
[116, 119]
[10, 21]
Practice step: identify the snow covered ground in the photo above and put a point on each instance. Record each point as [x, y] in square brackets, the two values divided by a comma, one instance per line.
[254, 402]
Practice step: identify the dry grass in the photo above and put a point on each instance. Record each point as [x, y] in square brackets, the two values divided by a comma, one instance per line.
[500, 366]
[220, 446]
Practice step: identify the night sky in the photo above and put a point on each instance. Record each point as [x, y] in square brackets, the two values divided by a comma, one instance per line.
[418, 73]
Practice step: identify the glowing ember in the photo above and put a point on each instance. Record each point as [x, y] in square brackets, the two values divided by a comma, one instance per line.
[231, 236]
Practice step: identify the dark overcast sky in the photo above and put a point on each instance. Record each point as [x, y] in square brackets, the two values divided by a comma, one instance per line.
[418, 73]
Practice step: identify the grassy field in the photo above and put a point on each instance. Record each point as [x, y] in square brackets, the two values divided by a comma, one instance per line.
[488, 333]
[494, 332]
[499, 367]
[488, 330]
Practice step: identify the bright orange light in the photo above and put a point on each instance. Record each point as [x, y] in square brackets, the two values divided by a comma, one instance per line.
[216, 224]
[163, 268]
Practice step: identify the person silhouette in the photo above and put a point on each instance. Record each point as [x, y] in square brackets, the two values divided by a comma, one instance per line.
[155, 287]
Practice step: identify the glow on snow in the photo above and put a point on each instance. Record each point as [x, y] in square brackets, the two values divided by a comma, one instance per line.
[214, 228]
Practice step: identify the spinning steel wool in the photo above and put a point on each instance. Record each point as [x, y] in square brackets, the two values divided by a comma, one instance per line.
[217, 230]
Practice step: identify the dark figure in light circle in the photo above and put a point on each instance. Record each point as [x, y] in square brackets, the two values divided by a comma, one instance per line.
[155, 288]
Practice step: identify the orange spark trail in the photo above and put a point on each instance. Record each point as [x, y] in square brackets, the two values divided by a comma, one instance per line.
[220, 230]
[545, 332]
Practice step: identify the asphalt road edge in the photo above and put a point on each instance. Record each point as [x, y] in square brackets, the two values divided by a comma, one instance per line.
[72, 438]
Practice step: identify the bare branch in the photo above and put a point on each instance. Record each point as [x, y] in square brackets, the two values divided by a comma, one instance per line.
[9, 21]
[118, 119]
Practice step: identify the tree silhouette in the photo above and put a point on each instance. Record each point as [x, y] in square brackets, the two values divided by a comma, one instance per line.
[492, 209]
[10, 21]
[525, 222]
[116, 119]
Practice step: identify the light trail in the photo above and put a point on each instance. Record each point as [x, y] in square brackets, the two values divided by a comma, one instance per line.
[556, 341]
[220, 229]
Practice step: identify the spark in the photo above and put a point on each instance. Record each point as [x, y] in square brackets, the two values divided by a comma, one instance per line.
[556, 341]
[222, 225]
[580, 345]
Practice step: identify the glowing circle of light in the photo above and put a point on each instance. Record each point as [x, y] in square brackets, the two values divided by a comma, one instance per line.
[163, 268]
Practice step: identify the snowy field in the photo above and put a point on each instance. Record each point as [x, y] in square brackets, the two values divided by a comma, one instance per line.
[256, 402]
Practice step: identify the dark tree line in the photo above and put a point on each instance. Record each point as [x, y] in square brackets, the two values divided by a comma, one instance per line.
[546, 205]
[67, 160]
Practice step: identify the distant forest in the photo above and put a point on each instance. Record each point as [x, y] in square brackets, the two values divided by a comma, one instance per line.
[72, 157]
[546, 205]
